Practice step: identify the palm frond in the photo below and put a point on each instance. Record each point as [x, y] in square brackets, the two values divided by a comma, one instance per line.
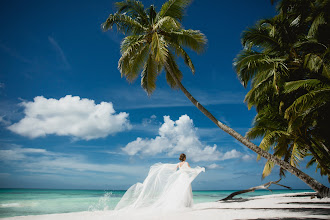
[260, 94]
[313, 62]
[311, 162]
[158, 48]
[326, 70]
[312, 99]
[174, 9]
[134, 9]
[255, 132]
[131, 46]
[167, 23]
[182, 53]
[296, 155]
[124, 23]
[307, 84]
[255, 66]
[246, 64]
[267, 169]
[318, 20]
[259, 36]
[149, 75]
[136, 63]
[271, 138]
[172, 67]
[192, 39]
[130, 43]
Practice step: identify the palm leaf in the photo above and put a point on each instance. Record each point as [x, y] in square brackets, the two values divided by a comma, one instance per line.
[136, 63]
[192, 39]
[307, 84]
[296, 155]
[134, 9]
[158, 48]
[167, 23]
[149, 75]
[182, 53]
[267, 169]
[313, 62]
[312, 99]
[172, 67]
[131, 46]
[174, 9]
[259, 36]
[124, 23]
[319, 20]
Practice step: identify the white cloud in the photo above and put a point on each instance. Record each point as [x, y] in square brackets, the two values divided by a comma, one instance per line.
[247, 157]
[214, 166]
[70, 116]
[175, 137]
[18, 153]
[38, 160]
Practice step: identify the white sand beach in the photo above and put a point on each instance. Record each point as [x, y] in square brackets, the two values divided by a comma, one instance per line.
[279, 206]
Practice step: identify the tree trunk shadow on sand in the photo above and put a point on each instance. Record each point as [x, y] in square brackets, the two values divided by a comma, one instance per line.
[310, 211]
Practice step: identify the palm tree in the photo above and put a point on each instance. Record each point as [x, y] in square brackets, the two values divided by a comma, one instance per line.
[290, 71]
[153, 41]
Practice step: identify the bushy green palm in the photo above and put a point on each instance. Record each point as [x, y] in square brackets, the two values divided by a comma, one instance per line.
[154, 39]
[286, 62]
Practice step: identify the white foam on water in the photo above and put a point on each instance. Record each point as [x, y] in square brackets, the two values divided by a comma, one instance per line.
[17, 205]
[8, 205]
[102, 204]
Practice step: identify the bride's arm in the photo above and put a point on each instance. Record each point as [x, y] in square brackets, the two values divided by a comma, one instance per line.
[188, 164]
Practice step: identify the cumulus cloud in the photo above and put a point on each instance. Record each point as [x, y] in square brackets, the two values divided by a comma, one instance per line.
[70, 116]
[175, 137]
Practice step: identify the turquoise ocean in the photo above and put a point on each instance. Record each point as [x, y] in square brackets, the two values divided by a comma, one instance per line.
[20, 202]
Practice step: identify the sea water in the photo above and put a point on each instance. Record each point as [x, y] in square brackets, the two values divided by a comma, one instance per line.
[18, 202]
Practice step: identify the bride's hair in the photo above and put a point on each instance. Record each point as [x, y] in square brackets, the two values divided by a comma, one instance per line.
[182, 157]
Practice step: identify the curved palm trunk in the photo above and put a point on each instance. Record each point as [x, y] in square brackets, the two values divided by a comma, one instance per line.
[322, 190]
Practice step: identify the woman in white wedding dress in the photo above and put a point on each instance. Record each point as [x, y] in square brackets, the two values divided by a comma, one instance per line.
[167, 186]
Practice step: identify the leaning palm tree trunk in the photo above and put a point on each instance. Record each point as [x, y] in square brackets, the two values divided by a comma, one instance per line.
[322, 190]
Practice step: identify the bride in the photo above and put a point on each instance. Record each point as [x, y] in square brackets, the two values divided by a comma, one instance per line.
[167, 186]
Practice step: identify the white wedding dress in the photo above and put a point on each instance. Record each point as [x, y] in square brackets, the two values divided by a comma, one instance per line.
[165, 187]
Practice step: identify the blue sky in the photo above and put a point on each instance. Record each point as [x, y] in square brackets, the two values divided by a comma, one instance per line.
[68, 120]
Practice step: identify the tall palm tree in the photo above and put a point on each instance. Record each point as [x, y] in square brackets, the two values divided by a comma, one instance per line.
[288, 73]
[153, 41]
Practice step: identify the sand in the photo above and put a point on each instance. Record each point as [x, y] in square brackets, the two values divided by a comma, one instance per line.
[279, 206]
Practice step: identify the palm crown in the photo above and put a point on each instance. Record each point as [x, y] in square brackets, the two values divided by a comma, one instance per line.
[286, 60]
[154, 40]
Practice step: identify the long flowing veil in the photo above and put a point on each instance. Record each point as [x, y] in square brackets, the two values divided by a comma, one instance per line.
[165, 187]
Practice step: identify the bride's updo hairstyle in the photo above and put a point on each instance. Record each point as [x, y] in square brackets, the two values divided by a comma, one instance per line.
[182, 157]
